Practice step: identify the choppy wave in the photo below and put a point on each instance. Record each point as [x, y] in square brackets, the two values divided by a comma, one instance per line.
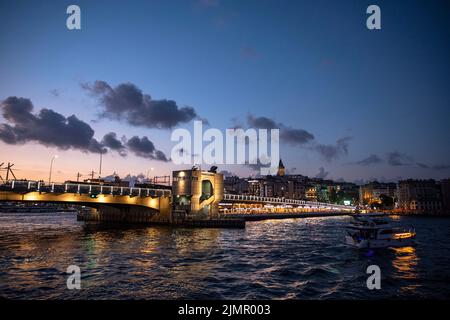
[279, 259]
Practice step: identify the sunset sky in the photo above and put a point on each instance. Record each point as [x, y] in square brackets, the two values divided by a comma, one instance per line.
[351, 103]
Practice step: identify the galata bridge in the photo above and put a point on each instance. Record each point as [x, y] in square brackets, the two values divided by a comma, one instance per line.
[196, 198]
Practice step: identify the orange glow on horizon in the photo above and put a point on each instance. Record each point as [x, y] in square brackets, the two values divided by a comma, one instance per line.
[32, 162]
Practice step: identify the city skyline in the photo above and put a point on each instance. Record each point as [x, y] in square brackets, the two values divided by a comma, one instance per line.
[351, 103]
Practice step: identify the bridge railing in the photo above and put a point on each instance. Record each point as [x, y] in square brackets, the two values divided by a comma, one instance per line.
[283, 201]
[91, 189]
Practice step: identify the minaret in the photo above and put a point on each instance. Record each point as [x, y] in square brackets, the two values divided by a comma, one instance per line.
[281, 170]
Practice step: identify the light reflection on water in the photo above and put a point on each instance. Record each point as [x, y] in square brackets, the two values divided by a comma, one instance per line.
[405, 261]
[406, 264]
[273, 259]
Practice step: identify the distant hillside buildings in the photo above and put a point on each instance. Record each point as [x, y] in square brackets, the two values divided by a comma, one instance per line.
[408, 196]
[294, 186]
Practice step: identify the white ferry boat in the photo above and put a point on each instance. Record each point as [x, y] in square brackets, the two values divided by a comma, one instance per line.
[374, 231]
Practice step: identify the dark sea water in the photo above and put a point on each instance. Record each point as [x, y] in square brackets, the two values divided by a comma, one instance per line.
[274, 259]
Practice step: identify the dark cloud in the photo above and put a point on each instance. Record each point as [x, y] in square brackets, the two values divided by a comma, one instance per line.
[301, 137]
[236, 123]
[287, 134]
[322, 173]
[440, 167]
[372, 159]
[161, 156]
[295, 136]
[46, 127]
[110, 140]
[261, 122]
[433, 167]
[183, 152]
[127, 102]
[330, 152]
[7, 134]
[254, 166]
[17, 110]
[55, 92]
[52, 129]
[398, 159]
[143, 147]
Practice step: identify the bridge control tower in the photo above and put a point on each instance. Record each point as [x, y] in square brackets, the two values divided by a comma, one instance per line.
[197, 193]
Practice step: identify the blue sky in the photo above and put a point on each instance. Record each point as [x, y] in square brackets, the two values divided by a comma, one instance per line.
[310, 65]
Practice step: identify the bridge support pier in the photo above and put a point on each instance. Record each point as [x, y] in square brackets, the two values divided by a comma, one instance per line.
[130, 214]
[137, 215]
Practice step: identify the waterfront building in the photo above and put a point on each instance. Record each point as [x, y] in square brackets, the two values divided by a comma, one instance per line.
[419, 196]
[375, 194]
[311, 193]
[296, 189]
[344, 193]
[236, 185]
[322, 193]
[255, 187]
[445, 191]
[275, 186]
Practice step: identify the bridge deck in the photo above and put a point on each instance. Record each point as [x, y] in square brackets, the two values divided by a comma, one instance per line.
[236, 198]
[95, 190]
[22, 186]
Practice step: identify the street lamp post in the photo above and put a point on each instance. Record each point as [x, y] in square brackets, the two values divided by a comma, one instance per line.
[151, 169]
[51, 168]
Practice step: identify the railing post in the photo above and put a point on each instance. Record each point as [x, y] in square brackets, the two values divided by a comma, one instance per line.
[12, 184]
[90, 189]
[78, 189]
[112, 190]
[39, 186]
[121, 191]
[53, 187]
[29, 185]
[65, 187]
[101, 189]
